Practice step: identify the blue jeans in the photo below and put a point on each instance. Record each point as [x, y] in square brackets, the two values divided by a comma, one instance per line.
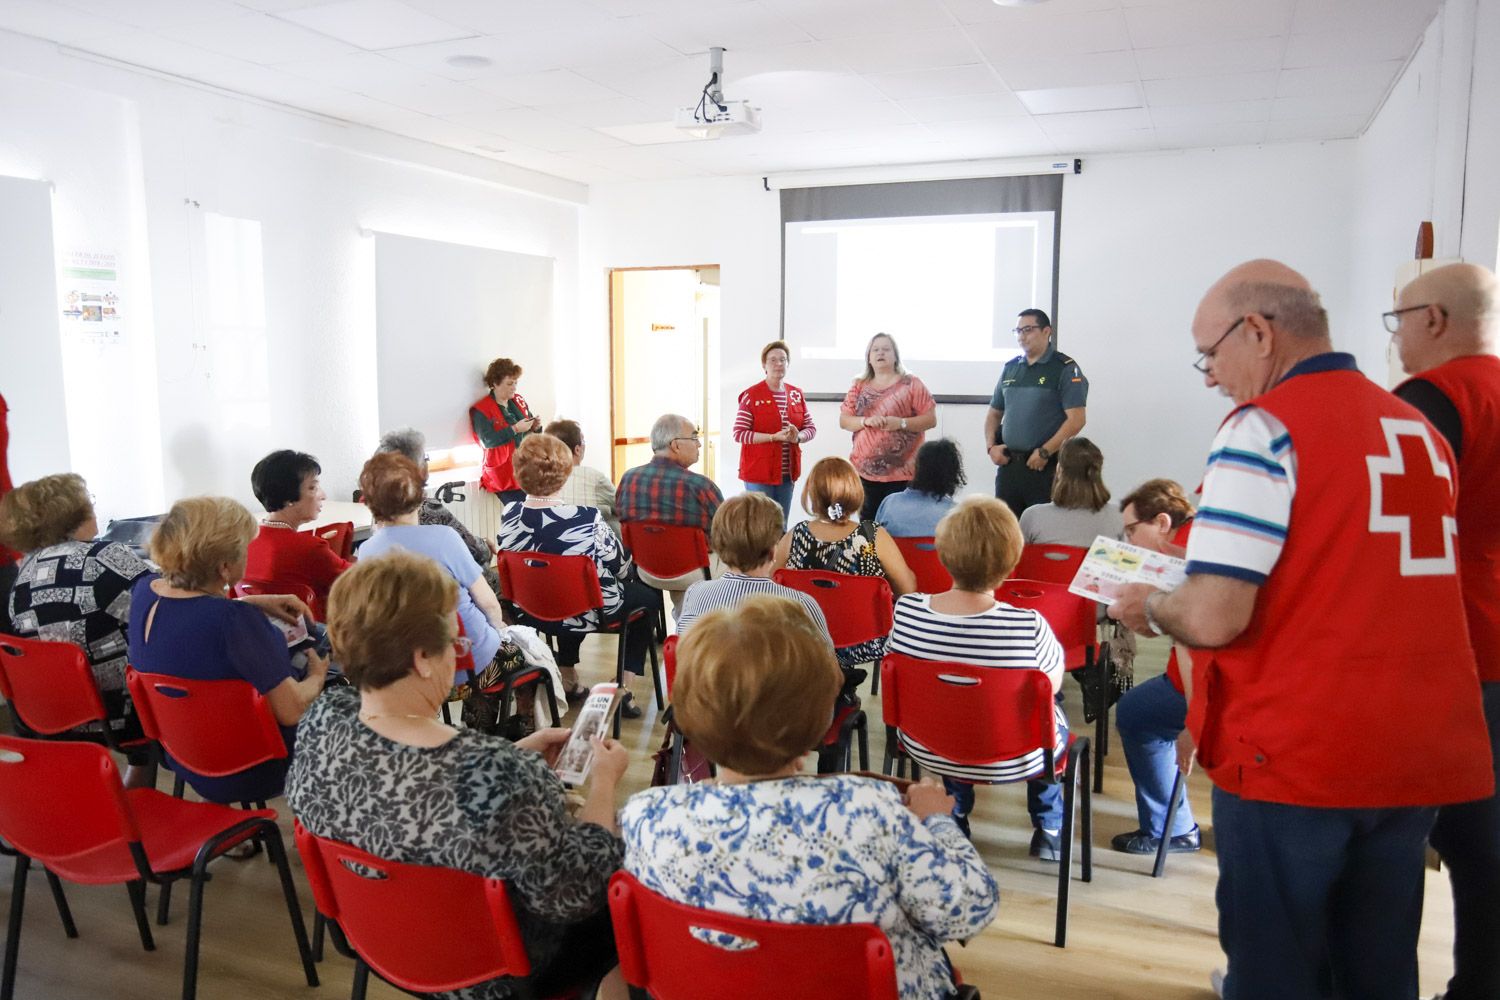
[1319, 903]
[1467, 836]
[1149, 718]
[1044, 799]
[781, 493]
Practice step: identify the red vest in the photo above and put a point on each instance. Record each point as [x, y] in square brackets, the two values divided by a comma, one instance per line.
[1174, 671]
[1473, 386]
[497, 475]
[1353, 685]
[761, 463]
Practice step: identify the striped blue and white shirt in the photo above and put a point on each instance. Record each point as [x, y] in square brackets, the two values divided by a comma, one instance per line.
[730, 590]
[1246, 507]
[1004, 637]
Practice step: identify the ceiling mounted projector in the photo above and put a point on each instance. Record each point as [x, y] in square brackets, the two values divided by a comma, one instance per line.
[713, 116]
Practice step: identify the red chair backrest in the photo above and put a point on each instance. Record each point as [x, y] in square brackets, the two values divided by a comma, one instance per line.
[665, 550]
[423, 928]
[858, 608]
[1052, 563]
[48, 685]
[215, 728]
[921, 555]
[301, 591]
[1074, 619]
[550, 587]
[1005, 712]
[339, 536]
[60, 799]
[663, 951]
[669, 654]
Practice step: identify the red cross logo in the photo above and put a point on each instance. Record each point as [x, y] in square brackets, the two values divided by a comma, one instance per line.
[1411, 495]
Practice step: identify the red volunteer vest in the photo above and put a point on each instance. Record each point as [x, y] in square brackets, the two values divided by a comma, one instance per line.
[761, 463]
[1174, 670]
[1353, 685]
[497, 473]
[1473, 386]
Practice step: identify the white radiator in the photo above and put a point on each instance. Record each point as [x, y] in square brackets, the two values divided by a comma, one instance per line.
[479, 511]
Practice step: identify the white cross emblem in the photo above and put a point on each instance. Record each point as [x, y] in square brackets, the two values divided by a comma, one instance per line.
[1408, 485]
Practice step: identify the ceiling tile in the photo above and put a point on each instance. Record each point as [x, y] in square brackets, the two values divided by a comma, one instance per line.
[956, 81]
[1230, 113]
[967, 107]
[1063, 35]
[1117, 120]
[848, 18]
[649, 133]
[1357, 15]
[1362, 78]
[1344, 127]
[809, 117]
[978, 11]
[1207, 21]
[905, 50]
[692, 28]
[142, 48]
[558, 86]
[159, 13]
[1342, 48]
[54, 22]
[613, 112]
[514, 17]
[1057, 100]
[672, 83]
[995, 132]
[258, 38]
[1323, 106]
[536, 129]
[375, 24]
[1197, 136]
[826, 90]
[538, 51]
[1087, 142]
[1244, 56]
[438, 97]
[1211, 89]
[1035, 70]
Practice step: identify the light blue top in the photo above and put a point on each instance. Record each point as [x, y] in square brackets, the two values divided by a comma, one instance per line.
[912, 513]
[443, 546]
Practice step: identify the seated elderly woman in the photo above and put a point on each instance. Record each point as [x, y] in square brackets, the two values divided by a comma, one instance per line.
[755, 686]
[544, 523]
[489, 806]
[1080, 509]
[412, 443]
[182, 625]
[916, 510]
[392, 487]
[744, 535]
[979, 544]
[286, 484]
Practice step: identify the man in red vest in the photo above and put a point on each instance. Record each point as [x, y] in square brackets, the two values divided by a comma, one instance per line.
[1334, 700]
[1444, 328]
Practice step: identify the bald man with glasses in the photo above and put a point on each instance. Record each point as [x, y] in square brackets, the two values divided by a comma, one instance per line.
[1038, 404]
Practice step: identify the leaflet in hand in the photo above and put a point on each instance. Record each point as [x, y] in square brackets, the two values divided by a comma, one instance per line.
[1111, 564]
[594, 719]
[294, 633]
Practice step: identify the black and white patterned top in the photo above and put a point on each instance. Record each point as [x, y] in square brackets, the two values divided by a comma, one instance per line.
[476, 803]
[566, 530]
[79, 592]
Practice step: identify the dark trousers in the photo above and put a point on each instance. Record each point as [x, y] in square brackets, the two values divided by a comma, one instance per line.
[1021, 487]
[1467, 837]
[1044, 799]
[637, 596]
[874, 493]
[1319, 903]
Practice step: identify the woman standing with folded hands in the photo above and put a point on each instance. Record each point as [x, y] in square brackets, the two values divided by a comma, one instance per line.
[889, 411]
[772, 425]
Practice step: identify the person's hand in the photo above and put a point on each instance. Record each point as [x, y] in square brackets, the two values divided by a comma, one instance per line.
[1185, 750]
[1129, 608]
[490, 543]
[928, 798]
[317, 666]
[1035, 462]
[999, 455]
[284, 606]
[547, 742]
[788, 433]
[610, 760]
[873, 421]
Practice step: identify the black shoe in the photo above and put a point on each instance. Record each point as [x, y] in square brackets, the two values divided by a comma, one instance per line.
[1047, 846]
[628, 708]
[577, 693]
[1141, 842]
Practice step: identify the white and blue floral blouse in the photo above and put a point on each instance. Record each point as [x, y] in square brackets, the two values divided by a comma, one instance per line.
[807, 850]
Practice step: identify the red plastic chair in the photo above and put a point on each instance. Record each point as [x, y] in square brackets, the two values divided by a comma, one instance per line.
[51, 692]
[420, 928]
[1075, 622]
[63, 806]
[550, 588]
[339, 536]
[857, 608]
[921, 555]
[1052, 563]
[301, 591]
[666, 551]
[1006, 714]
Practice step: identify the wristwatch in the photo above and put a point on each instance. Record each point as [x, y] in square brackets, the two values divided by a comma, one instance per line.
[1151, 622]
[1046, 455]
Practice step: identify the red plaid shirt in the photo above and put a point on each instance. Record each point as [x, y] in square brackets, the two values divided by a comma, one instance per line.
[661, 490]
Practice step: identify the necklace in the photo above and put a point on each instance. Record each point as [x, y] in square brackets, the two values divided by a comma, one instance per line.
[369, 716]
[272, 523]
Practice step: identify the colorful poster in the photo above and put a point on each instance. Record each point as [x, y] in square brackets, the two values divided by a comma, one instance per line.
[89, 284]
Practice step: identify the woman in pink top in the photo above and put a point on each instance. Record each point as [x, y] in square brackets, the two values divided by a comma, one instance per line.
[889, 412]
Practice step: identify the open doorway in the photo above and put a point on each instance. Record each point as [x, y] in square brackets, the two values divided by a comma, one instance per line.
[664, 358]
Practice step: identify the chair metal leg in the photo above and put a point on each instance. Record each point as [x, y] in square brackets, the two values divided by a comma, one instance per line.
[546, 686]
[194, 931]
[361, 980]
[320, 927]
[137, 891]
[863, 733]
[64, 913]
[892, 764]
[620, 675]
[1087, 762]
[179, 786]
[13, 929]
[277, 850]
[875, 678]
[1065, 863]
[164, 904]
[1179, 792]
[661, 696]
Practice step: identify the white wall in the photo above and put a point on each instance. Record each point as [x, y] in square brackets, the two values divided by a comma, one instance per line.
[1143, 237]
[137, 160]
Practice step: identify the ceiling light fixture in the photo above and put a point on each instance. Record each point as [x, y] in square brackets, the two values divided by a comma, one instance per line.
[469, 62]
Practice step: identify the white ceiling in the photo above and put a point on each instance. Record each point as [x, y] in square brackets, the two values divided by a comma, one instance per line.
[582, 88]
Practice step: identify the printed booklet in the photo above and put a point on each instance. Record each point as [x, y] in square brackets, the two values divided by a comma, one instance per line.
[594, 719]
[1111, 564]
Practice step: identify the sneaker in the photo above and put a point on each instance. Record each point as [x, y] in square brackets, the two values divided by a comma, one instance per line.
[1046, 845]
[1216, 980]
[1141, 842]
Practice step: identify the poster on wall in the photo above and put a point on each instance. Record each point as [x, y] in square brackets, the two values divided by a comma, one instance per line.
[89, 286]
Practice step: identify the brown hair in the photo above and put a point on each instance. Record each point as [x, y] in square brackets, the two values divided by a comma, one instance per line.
[44, 511]
[832, 480]
[391, 484]
[775, 345]
[499, 370]
[382, 610]
[979, 542]
[542, 464]
[197, 536]
[755, 684]
[1080, 476]
[746, 529]
[1159, 496]
[566, 431]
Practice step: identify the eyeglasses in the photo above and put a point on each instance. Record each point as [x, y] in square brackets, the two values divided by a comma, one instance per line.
[463, 645]
[1133, 524]
[693, 438]
[1205, 358]
[1392, 319]
[1022, 331]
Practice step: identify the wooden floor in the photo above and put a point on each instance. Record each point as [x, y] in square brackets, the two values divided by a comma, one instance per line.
[1130, 936]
